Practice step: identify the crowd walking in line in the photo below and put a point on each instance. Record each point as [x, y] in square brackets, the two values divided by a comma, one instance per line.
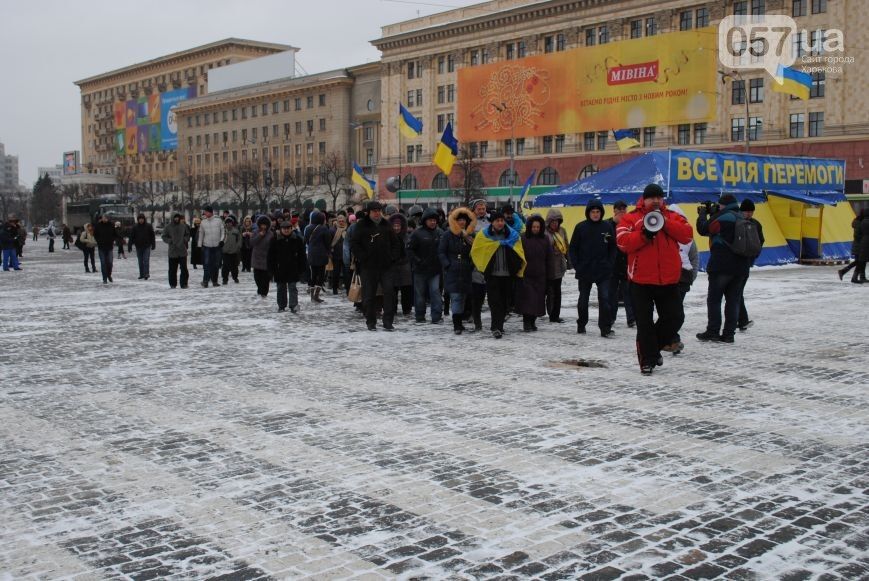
[437, 267]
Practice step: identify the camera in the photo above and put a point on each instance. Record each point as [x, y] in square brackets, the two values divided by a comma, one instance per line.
[707, 207]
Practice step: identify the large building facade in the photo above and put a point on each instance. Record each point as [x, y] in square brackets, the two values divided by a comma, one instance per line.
[8, 171]
[421, 59]
[101, 95]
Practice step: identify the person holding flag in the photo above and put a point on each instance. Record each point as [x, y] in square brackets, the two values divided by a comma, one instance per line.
[498, 254]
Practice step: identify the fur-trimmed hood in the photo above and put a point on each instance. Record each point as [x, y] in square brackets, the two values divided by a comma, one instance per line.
[454, 224]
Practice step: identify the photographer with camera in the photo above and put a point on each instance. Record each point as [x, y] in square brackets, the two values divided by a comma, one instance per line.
[650, 235]
[726, 270]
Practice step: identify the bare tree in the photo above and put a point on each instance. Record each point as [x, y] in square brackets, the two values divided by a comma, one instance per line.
[150, 192]
[243, 183]
[127, 183]
[468, 166]
[333, 174]
[188, 183]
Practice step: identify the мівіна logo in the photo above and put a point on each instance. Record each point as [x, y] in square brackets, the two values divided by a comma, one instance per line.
[638, 73]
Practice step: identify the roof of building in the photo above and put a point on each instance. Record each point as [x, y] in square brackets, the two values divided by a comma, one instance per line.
[274, 47]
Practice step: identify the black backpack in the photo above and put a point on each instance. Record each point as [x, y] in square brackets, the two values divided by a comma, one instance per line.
[746, 238]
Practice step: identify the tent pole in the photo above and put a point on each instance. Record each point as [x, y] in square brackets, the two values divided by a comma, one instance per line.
[821, 233]
[669, 161]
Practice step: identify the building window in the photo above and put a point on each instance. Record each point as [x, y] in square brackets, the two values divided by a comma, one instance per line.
[368, 133]
[298, 127]
[702, 19]
[409, 154]
[322, 125]
[419, 97]
[411, 70]
[508, 148]
[737, 91]
[798, 43]
[684, 134]
[451, 93]
[253, 112]
[310, 126]
[322, 148]
[548, 177]
[816, 123]
[798, 121]
[287, 106]
[189, 123]
[737, 129]
[686, 19]
[818, 84]
[451, 63]
[441, 62]
[475, 57]
[755, 94]
[298, 104]
[603, 35]
[441, 122]
[235, 114]
[484, 148]
[441, 95]
[309, 149]
[310, 101]
[798, 8]
[286, 130]
[484, 56]
[440, 182]
[588, 141]
[819, 6]
[507, 179]
[648, 137]
[276, 108]
[510, 51]
[559, 42]
[253, 133]
[410, 98]
[322, 100]
[548, 44]
[755, 128]
[636, 28]
[369, 157]
[590, 37]
[547, 144]
[740, 8]
[818, 37]
[559, 143]
[602, 137]
[651, 26]
[588, 171]
[520, 49]
[410, 183]
[520, 146]
[758, 7]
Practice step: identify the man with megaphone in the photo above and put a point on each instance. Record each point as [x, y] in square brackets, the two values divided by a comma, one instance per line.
[650, 235]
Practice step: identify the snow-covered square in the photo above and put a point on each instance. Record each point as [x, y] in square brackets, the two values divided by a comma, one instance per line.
[150, 432]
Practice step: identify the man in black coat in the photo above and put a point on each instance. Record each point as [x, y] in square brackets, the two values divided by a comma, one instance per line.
[142, 237]
[423, 252]
[376, 247]
[619, 284]
[593, 254]
[104, 233]
[286, 260]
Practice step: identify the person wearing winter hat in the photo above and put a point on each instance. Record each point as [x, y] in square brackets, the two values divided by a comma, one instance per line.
[619, 284]
[259, 256]
[402, 276]
[375, 248]
[423, 253]
[747, 209]
[142, 237]
[176, 235]
[210, 238]
[231, 250]
[654, 270]
[286, 261]
[513, 219]
[318, 239]
[726, 271]
[593, 255]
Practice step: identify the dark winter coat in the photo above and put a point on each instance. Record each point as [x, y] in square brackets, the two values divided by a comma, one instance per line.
[620, 266]
[9, 236]
[593, 247]
[176, 236]
[195, 248]
[402, 275]
[375, 246]
[318, 240]
[232, 240]
[104, 232]
[423, 247]
[557, 259]
[260, 243]
[142, 236]
[454, 252]
[531, 296]
[721, 228]
[286, 257]
[337, 244]
[861, 238]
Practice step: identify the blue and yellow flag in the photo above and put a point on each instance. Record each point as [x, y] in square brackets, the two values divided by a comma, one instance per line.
[359, 178]
[447, 151]
[409, 125]
[625, 139]
[526, 189]
[485, 246]
[793, 82]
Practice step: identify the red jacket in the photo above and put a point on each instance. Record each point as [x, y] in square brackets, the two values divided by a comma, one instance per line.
[654, 261]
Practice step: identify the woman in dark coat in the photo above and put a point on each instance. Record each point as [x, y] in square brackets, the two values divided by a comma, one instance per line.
[246, 233]
[403, 277]
[195, 249]
[454, 252]
[319, 246]
[531, 300]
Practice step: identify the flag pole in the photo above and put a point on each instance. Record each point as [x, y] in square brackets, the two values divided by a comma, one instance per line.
[399, 160]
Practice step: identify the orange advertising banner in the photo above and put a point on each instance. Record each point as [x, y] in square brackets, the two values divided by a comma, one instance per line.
[661, 80]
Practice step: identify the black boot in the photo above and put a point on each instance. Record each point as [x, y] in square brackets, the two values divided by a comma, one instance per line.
[458, 327]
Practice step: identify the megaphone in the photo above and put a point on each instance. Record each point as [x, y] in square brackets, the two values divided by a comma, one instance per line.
[653, 221]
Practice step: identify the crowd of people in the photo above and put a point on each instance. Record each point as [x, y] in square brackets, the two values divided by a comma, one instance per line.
[433, 266]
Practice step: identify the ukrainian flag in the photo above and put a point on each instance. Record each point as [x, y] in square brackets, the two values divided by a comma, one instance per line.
[447, 151]
[359, 178]
[793, 82]
[625, 139]
[409, 125]
[526, 189]
[485, 246]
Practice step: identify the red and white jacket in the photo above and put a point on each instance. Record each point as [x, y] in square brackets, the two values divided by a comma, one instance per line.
[655, 261]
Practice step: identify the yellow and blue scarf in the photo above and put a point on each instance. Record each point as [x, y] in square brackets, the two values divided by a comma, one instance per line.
[485, 246]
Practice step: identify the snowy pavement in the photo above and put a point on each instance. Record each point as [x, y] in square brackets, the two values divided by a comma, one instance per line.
[155, 433]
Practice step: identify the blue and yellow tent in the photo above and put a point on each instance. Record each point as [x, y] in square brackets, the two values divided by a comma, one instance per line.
[800, 220]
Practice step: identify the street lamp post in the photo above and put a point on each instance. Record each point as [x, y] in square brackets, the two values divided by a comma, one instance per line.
[735, 75]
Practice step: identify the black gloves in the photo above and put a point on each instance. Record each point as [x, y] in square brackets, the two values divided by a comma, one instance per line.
[648, 234]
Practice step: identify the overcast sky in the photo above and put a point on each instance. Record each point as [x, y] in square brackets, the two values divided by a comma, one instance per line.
[46, 45]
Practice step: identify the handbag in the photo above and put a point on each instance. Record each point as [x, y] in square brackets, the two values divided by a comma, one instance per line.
[79, 244]
[354, 295]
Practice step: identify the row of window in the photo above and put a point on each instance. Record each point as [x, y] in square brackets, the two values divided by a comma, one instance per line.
[796, 126]
[548, 176]
[755, 89]
[267, 153]
[300, 176]
[253, 111]
[758, 7]
[254, 134]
